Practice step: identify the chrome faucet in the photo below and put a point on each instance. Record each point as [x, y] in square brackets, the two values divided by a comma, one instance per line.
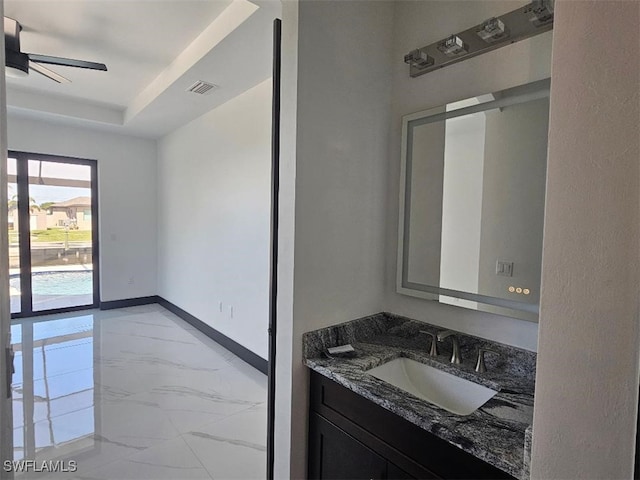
[455, 356]
[481, 367]
[434, 344]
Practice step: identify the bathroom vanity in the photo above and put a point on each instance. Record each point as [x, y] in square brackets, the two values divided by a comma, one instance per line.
[361, 426]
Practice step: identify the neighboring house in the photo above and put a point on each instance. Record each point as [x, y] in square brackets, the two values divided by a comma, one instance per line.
[75, 213]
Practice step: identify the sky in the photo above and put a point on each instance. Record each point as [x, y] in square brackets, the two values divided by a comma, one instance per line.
[47, 193]
[52, 170]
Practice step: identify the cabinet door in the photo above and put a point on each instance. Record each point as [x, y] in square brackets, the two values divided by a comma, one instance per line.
[334, 454]
[396, 473]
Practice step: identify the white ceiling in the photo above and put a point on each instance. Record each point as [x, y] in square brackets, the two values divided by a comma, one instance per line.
[154, 50]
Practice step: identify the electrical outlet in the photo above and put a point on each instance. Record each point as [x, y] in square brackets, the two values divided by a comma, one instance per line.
[131, 281]
[220, 307]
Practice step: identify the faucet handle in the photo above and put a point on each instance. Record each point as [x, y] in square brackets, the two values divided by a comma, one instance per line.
[434, 343]
[480, 365]
[455, 354]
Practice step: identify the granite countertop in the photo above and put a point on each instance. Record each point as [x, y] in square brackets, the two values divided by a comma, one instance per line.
[495, 433]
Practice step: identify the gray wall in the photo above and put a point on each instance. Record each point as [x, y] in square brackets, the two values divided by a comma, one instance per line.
[333, 180]
[513, 203]
[426, 203]
[587, 382]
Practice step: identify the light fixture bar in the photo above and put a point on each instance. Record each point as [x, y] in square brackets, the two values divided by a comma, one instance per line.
[524, 22]
[419, 59]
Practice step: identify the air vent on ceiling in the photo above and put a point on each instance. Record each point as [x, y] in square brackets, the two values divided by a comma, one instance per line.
[202, 88]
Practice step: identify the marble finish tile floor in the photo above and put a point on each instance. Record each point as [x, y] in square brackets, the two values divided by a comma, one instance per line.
[134, 393]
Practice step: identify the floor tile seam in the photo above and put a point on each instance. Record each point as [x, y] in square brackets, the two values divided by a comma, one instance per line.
[58, 347]
[51, 377]
[226, 417]
[162, 411]
[179, 436]
[50, 419]
[141, 449]
[124, 457]
[174, 325]
[182, 435]
[212, 422]
[245, 410]
[138, 323]
[153, 339]
[117, 313]
[166, 410]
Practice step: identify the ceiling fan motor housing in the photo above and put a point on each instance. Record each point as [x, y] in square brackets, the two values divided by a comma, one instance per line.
[17, 60]
[14, 58]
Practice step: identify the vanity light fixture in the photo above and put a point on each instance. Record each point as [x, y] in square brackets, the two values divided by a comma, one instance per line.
[524, 22]
[540, 12]
[418, 59]
[493, 30]
[453, 46]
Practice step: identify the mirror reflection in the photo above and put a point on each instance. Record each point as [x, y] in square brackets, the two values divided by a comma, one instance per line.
[473, 201]
[54, 399]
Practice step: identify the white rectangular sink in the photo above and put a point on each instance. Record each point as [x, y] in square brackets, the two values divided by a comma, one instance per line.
[447, 391]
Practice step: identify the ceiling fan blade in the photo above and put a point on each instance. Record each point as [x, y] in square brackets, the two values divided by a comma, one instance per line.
[42, 70]
[66, 62]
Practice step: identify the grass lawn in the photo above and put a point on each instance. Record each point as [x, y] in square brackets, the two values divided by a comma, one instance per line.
[60, 235]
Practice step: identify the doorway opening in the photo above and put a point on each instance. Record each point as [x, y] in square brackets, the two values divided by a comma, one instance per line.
[53, 234]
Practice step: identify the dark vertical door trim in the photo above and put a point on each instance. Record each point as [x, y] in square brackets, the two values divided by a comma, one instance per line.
[95, 244]
[24, 232]
[636, 466]
[273, 283]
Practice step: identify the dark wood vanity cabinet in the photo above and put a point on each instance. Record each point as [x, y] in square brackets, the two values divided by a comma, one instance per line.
[350, 437]
[337, 455]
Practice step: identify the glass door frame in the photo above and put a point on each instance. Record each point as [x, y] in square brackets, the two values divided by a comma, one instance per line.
[24, 231]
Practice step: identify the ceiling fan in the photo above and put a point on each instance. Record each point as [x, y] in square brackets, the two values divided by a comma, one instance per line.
[18, 64]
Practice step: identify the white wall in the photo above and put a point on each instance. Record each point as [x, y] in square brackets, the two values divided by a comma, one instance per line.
[126, 193]
[214, 217]
[462, 205]
[418, 24]
[335, 163]
[587, 382]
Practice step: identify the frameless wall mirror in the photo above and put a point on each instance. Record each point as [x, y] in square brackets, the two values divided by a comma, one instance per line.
[472, 201]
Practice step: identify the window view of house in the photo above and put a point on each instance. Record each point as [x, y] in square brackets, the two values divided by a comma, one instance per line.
[59, 250]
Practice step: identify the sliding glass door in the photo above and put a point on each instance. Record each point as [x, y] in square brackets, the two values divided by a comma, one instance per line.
[53, 234]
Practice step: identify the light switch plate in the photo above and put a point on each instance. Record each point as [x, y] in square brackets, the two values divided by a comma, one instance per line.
[504, 269]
